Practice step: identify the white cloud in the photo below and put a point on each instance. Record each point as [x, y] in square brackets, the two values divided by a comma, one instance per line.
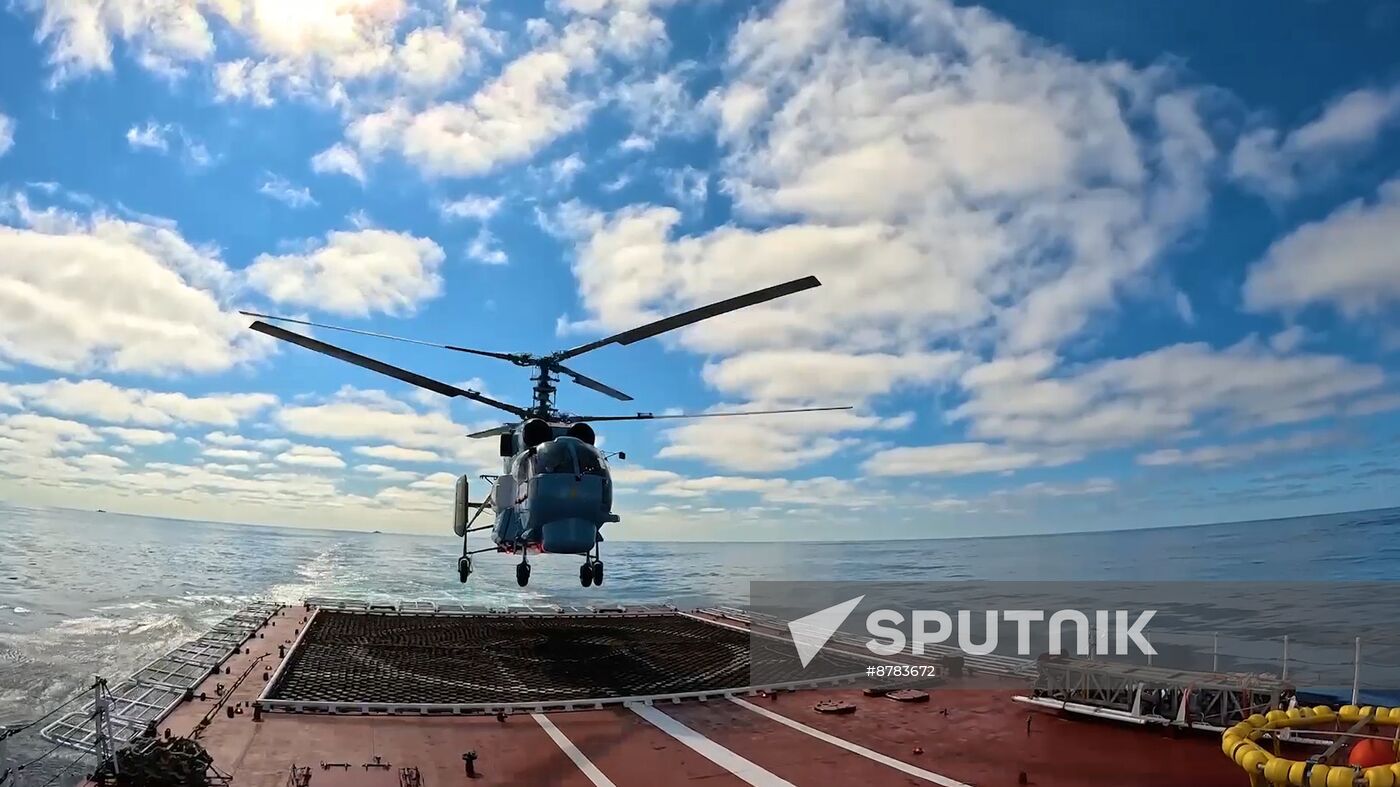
[397, 453]
[999, 191]
[153, 136]
[566, 169]
[1174, 390]
[354, 273]
[618, 183]
[236, 454]
[31, 435]
[688, 186]
[1288, 339]
[307, 49]
[239, 441]
[163, 137]
[823, 376]
[1280, 165]
[325, 50]
[248, 80]
[131, 436]
[631, 29]
[83, 294]
[162, 34]
[473, 206]
[1349, 260]
[526, 106]
[957, 459]
[282, 190]
[1221, 455]
[1370, 405]
[404, 433]
[1090, 486]
[98, 462]
[195, 154]
[361, 220]
[439, 482]
[386, 473]
[431, 58]
[56, 461]
[102, 401]
[659, 105]
[637, 475]
[7, 133]
[638, 143]
[763, 444]
[825, 491]
[338, 158]
[485, 248]
[311, 456]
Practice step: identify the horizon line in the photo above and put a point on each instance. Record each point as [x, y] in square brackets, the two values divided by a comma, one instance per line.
[448, 535]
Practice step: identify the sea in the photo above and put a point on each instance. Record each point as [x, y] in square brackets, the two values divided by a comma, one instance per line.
[86, 593]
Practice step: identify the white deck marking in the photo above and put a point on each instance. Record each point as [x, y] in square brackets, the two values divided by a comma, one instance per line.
[899, 765]
[724, 758]
[584, 764]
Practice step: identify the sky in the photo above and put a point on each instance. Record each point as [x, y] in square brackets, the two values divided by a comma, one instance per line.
[1085, 265]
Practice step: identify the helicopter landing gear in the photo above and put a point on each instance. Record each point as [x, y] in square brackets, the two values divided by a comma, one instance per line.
[522, 571]
[464, 568]
[591, 572]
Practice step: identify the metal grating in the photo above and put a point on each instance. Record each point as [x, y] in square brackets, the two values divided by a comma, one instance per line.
[152, 691]
[348, 660]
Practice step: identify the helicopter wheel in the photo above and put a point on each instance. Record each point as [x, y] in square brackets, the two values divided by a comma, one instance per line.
[522, 574]
[597, 572]
[585, 575]
[464, 568]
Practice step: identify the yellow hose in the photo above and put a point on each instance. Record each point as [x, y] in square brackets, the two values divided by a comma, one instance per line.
[1239, 743]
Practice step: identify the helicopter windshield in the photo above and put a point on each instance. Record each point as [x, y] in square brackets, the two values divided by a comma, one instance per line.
[554, 457]
[590, 462]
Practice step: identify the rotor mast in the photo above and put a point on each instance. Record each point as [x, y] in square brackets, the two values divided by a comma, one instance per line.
[543, 392]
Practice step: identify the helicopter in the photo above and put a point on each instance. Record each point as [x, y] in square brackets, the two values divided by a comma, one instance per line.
[555, 491]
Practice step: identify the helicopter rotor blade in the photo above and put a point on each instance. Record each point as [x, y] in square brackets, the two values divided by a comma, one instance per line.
[651, 417]
[589, 382]
[365, 362]
[489, 354]
[493, 431]
[695, 315]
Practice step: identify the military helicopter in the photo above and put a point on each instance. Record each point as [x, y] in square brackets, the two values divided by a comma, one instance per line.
[554, 493]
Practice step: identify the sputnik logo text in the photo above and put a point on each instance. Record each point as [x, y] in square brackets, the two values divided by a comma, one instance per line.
[1076, 632]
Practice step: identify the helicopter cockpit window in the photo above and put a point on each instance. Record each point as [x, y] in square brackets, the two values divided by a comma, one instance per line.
[554, 457]
[590, 462]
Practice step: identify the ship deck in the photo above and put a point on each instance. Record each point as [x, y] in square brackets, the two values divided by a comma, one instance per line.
[959, 737]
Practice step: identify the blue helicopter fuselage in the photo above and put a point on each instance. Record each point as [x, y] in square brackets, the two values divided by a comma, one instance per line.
[555, 498]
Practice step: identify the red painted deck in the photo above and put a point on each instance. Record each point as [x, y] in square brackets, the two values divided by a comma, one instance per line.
[982, 740]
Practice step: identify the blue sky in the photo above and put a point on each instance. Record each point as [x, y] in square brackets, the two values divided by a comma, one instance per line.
[1085, 265]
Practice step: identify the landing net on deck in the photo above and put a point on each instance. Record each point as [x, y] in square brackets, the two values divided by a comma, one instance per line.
[348, 659]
